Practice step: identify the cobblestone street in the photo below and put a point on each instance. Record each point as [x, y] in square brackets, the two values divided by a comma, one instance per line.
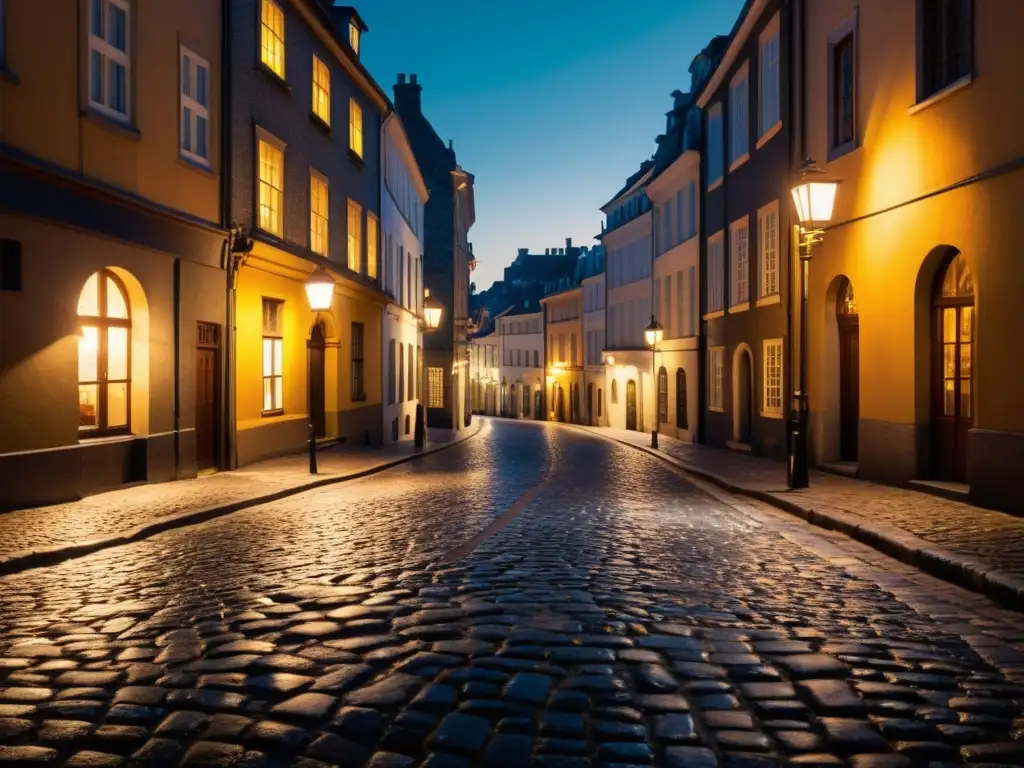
[533, 596]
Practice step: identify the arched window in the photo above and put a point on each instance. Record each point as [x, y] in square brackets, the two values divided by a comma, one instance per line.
[615, 392]
[681, 420]
[104, 356]
[662, 395]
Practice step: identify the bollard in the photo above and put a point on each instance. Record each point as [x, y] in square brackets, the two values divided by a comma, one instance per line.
[420, 430]
[312, 450]
[654, 439]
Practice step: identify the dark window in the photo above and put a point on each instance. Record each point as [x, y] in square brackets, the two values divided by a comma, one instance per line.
[412, 372]
[681, 420]
[358, 379]
[662, 396]
[600, 395]
[10, 264]
[401, 373]
[944, 33]
[842, 91]
[392, 372]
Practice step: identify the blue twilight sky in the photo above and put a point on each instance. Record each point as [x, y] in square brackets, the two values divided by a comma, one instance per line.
[551, 103]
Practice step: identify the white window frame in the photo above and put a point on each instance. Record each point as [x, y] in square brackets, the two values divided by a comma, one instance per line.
[354, 238]
[280, 38]
[772, 379]
[769, 102]
[739, 117]
[716, 274]
[715, 146]
[739, 264]
[107, 53]
[318, 220]
[321, 91]
[716, 379]
[768, 254]
[353, 110]
[197, 109]
[272, 141]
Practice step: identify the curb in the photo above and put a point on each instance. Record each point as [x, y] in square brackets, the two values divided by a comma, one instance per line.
[23, 561]
[1005, 589]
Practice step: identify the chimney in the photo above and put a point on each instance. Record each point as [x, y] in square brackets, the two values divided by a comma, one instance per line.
[547, 251]
[407, 96]
[450, 144]
[568, 243]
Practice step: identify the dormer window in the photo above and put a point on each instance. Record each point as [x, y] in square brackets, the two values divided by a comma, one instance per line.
[353, 36]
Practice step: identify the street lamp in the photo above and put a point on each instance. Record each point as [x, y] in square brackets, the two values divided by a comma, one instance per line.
[654, 334]
[432, 311]
[814, 196]
[320, 295]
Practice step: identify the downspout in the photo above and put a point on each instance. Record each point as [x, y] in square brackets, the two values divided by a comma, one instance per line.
[177, 363]
[798, 118]
[382, 262]
[229, 451]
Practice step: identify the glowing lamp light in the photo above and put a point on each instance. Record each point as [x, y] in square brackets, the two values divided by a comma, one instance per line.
[654, 333]
[610, 359]
[814, 195]
[432, 310]
[320, 290]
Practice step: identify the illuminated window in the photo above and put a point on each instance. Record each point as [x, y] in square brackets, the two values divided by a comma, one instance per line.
[318, 213]
[271, 174]
[353, 36]
[739, 258]
[110, 57]
[716, 381]
[195, 107]
[355, 232]
[273, 356]
[358, 372]
[371, 245]
[104, 363]
[435, 388]
[272, 37]
[355, 127]
[768, 248]
[321, 90]
[615, 392]
[772, 377]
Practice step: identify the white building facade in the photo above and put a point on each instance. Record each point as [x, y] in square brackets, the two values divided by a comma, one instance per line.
[521, 341]
[403, 196]
[484, 373]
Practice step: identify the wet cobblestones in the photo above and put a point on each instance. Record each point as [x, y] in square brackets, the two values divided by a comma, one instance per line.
[623, 618]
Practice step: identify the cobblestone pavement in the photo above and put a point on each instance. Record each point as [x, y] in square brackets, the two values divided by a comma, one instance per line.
[982, 534]
[618, 615]
[118, 511]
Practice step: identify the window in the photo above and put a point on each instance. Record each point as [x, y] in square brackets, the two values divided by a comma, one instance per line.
[273, 356]
[110, 57]
[371, 245]
[401, 373]
[600, 402]
[104, 356]
[321, 90]
[412, 373]
[355, 127]
[272, 37]
[716, 274]
[353, 36]
[572, 349]
[739, 259]
[681, 418]
[772, 377]
[318, 212]
[681, 232]
[435, 388]
[662, 396]
[691, 281]
[716, 380]
[768, 69]
[678, 330]
[536, 359]
[358, 378]
[668, 227]
[392, 371]
[842, 92]
[355, 232]
[714, 144]
[768, 248]
[271, 194]
[944, 34]
[419, 372]
[195, 107]
[615, 392]
[739, 117]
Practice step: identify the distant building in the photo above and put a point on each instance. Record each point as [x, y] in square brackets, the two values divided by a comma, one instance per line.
[563, 335]
[594, 290]
[521, 342]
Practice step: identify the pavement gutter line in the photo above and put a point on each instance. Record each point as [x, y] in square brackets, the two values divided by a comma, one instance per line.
[1005, 589]
[23, 561]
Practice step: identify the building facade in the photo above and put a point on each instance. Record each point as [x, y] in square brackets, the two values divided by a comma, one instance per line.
[629, 373]
[485, 371]
[747, 213]
[305, 131]
[112, 292]
[403, 196]
[449, 215]
[594, 290]
[911, 301]
[521, 342]
[563, 347]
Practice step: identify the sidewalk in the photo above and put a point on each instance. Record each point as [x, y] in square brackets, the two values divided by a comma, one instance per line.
[44, 535]
[973, 547]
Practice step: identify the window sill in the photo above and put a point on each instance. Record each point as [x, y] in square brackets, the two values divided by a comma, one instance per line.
[275, 78]
[949, 90]
[715, 315]
[195, 165]
[715, 184]
[843, 149]
[272, 414]
[104, 436]
[768, 135]
[767, 301]
[361, 399]
[358, 161]
[8, 76]
[715, 409]
[743, 306]
[111, 123]
[771, 415]
[320, 123]
[739, 161]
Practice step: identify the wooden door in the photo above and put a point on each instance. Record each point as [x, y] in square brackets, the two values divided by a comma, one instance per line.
[849, 372]
[207, 395]
[631, 404]
[681, 415]
[744, 388]
[317, 376]
[953, 377]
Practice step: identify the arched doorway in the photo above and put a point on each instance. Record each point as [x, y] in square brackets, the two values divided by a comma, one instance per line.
[952, 412]
[681, 417]
[513, 396]
[537, 413]
[559, 403]
[742, 394]
[631, 404]
[848, 322]
[317, 379]
[104, 356]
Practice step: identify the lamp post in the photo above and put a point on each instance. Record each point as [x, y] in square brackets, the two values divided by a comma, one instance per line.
[654, 334]
[432, 311]
[814, 196]
[320, 295]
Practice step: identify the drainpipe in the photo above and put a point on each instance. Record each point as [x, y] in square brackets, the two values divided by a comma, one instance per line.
[229, 453]
[177, 364]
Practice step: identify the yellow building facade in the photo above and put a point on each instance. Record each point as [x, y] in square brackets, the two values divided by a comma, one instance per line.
[913, 300]
[564, 349]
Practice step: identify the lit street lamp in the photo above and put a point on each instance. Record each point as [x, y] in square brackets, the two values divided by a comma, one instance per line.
[654, 334]
[814, 196]
[432, 311]
[320, 295]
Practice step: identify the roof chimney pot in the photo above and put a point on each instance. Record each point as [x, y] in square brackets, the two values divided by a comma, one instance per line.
[412, 78]
[401, 78]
